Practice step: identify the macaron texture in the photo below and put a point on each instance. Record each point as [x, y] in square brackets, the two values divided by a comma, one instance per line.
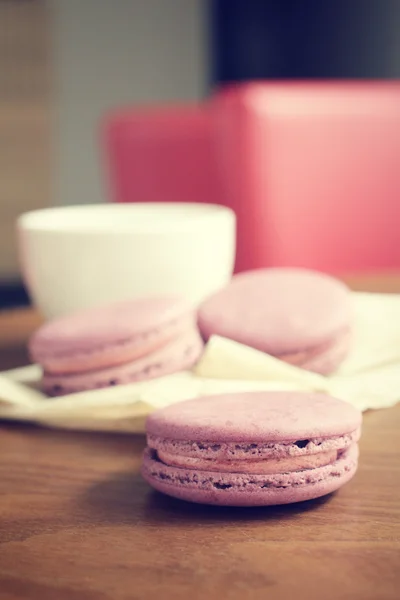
[117, 344]
[252, 449]
[301, 317]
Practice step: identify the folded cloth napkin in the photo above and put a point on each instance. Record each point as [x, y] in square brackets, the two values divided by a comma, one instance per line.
[369, 378]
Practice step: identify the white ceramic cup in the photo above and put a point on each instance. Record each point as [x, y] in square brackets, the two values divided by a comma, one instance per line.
[81, 256]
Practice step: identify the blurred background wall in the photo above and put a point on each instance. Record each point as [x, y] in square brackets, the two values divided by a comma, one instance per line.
[26, 104]
[113, 52]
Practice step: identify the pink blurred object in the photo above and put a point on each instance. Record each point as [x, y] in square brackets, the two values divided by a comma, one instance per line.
[312, 170]
[162, 154]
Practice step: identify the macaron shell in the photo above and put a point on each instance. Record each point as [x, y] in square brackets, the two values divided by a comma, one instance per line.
[255, 417]
[113, 354]
[278, 311]
[104, 326]
[323, 359]
[249, 490]
[180, 354]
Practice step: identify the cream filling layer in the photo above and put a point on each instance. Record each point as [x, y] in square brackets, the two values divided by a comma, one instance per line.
[266, 466]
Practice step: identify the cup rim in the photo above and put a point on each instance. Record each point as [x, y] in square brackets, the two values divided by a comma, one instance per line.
[110, 218]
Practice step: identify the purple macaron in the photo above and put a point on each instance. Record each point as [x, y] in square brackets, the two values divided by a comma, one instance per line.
[301, 317]
[116, 344]
[252, 449]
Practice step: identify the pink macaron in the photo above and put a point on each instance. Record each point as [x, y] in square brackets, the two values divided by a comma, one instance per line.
[301, 317]
[116, 344]
[252, 449]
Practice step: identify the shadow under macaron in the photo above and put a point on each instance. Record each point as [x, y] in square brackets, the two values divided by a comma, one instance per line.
[126, 497]
[161, 507]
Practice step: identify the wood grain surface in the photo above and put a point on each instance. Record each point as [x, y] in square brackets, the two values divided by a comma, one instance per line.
[78, 522]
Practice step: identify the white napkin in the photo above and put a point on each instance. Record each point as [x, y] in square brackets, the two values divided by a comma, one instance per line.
[376, 333]
[369, 378]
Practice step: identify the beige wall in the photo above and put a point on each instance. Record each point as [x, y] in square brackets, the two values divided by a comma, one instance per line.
[25, 119]
[113, 52]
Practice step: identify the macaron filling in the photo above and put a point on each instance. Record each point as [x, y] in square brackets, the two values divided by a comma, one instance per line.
[258, 459]
[164, 476]
[267, 466]
[180, 353]
[230, 451]
[62, 361]
[339, 343]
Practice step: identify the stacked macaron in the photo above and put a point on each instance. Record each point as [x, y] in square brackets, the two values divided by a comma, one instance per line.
[299, 316]
[126, 342]
[252, 449]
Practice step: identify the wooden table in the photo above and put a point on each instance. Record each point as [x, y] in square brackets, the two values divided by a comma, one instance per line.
[78, 523]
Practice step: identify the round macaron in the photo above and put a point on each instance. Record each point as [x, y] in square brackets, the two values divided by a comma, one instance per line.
[116, 344]
[301, 317]
[252, 449]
